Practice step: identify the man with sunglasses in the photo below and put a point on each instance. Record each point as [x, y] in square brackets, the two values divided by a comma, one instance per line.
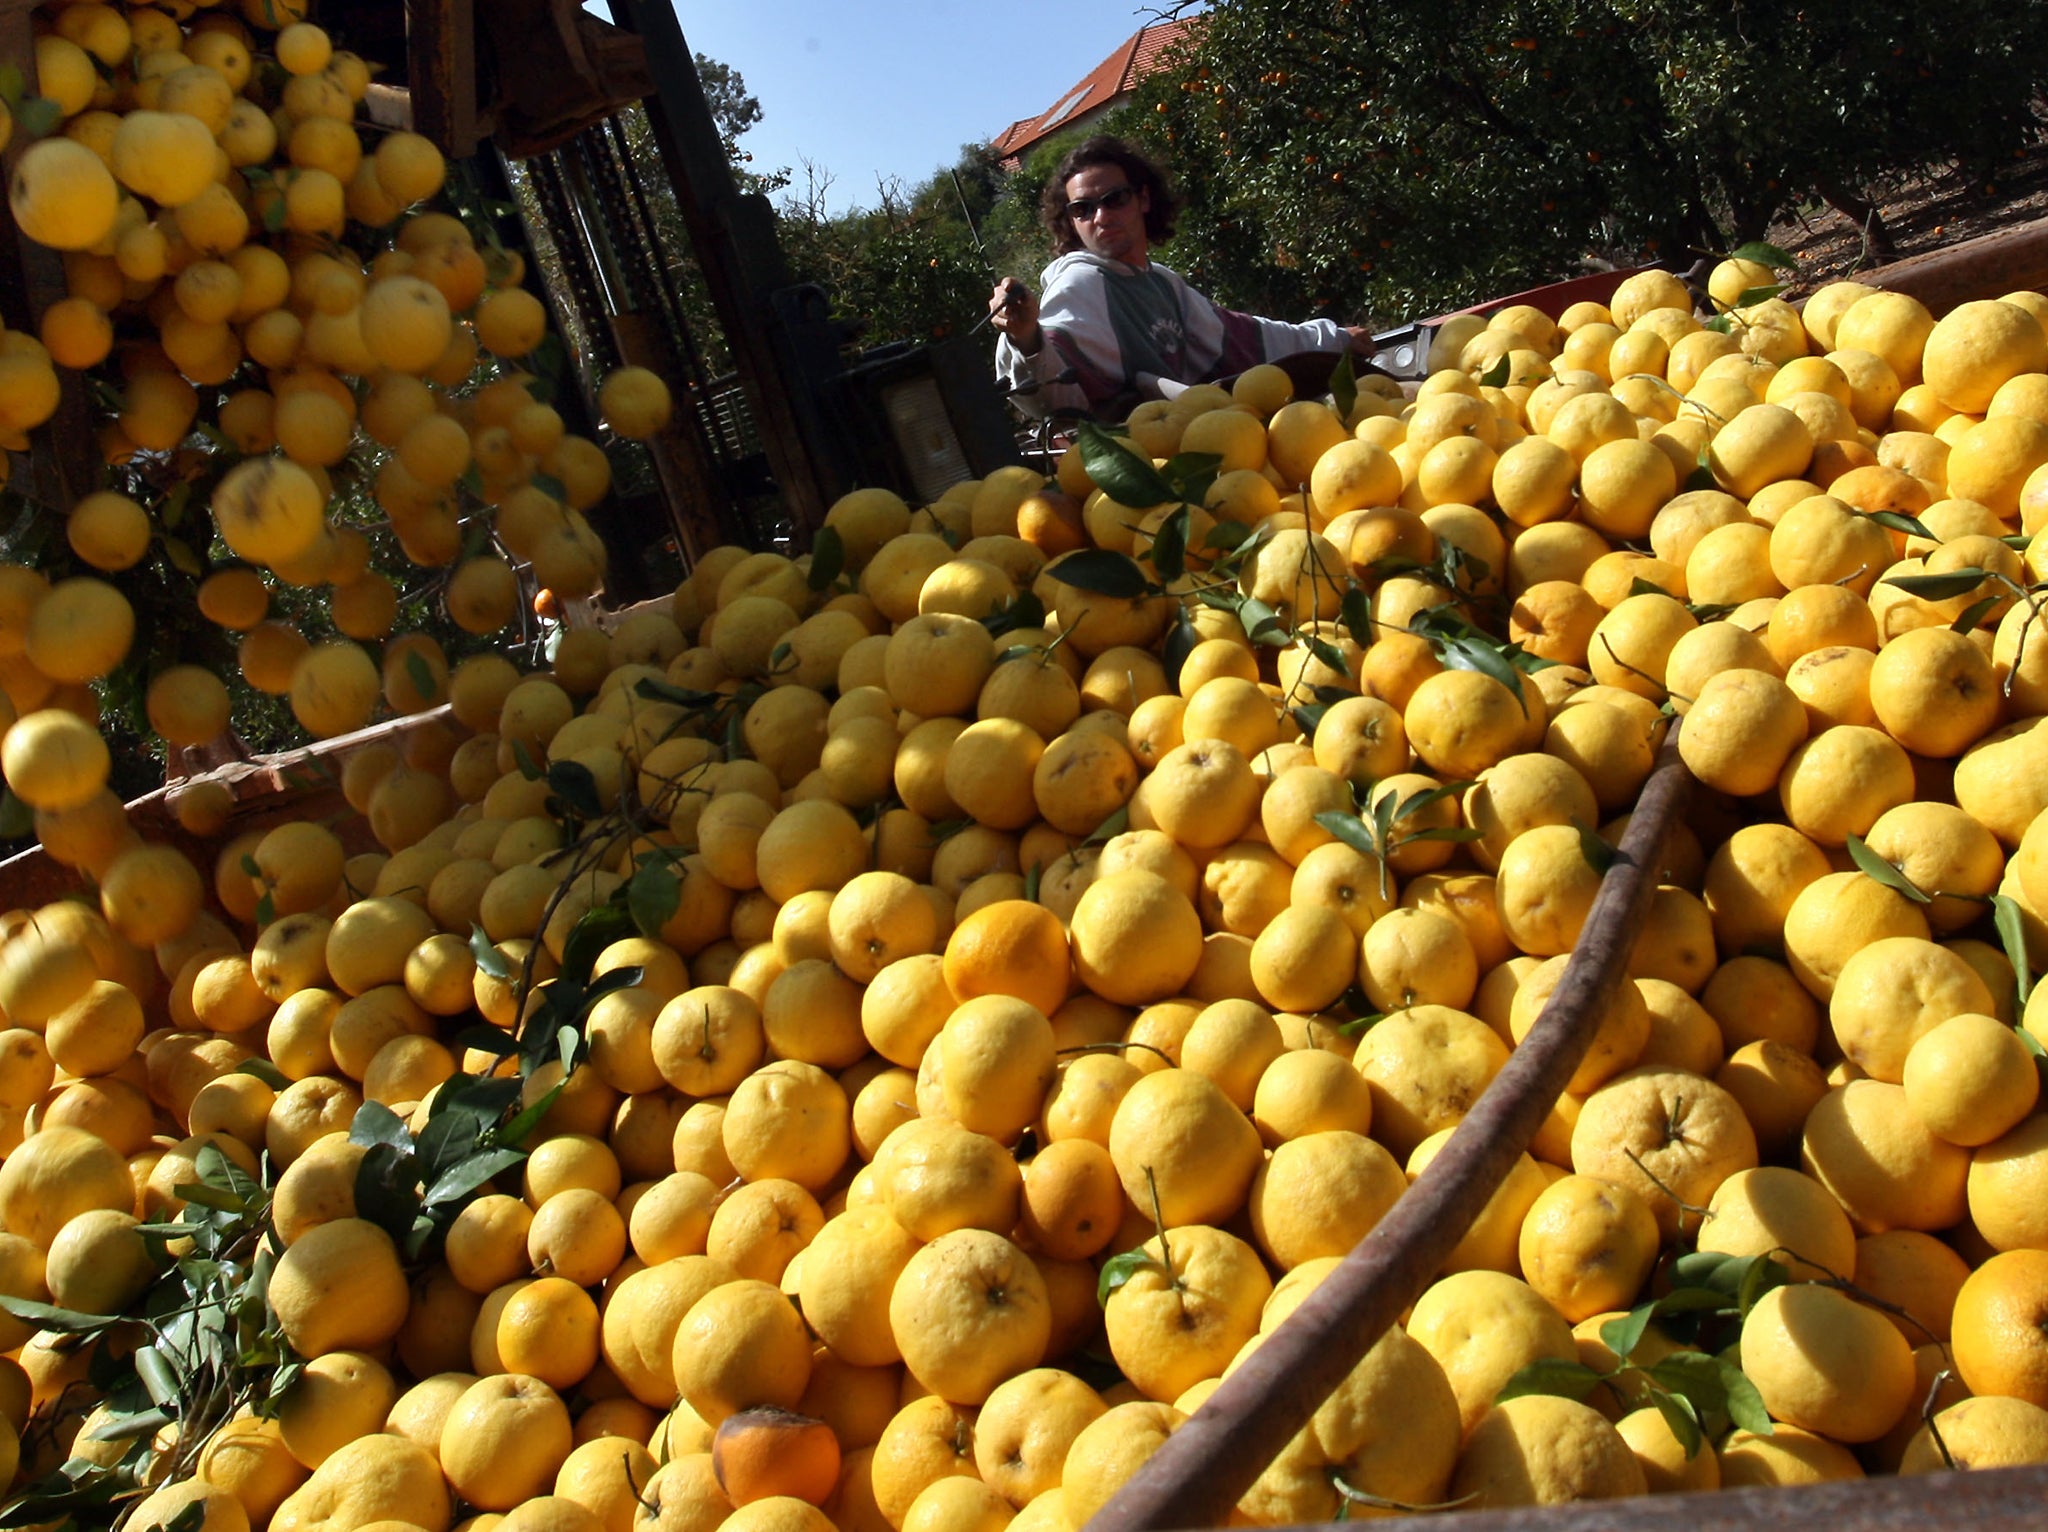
[1126, 327]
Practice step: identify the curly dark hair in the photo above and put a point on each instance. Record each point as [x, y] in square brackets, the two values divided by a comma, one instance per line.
[1138, 170]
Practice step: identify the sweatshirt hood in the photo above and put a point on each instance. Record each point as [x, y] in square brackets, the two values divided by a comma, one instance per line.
[1077, 258]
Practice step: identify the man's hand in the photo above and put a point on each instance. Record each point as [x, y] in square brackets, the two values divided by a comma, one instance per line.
[1362, 342]
[1013, 309]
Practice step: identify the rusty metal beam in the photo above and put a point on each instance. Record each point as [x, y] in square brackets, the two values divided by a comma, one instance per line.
[733, 235]
[689, 479]
[2004, 261]
[441, 72]
[1993, 1500]
[64, 460]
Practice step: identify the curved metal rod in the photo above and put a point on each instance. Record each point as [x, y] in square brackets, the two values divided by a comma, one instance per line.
[1198, 1475]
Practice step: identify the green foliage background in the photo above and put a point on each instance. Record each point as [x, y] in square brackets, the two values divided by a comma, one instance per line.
[1406, 157]
[1387, 160]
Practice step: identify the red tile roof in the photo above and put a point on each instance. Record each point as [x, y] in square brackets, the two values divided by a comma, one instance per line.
[1142, 54]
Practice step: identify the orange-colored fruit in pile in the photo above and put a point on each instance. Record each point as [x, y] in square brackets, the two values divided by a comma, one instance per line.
[771, 1048]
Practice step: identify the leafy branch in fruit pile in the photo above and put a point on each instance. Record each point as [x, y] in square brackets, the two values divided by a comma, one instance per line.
[1699, 1389]
[201, 1343]
[2007, 919]
[1211, 575]
[198, 1345]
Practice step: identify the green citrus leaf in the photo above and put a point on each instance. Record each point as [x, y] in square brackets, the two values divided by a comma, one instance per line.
[1764, 254]
[1102, 572]
[1191, 474]
[219, 1172]
[416, 672]
[1384, 807]
[599, 927]
[1355, 616]
[1693, 1374]
[1424, 797]
[1939, 587]
[47, 1316]
[1972, 615]
[1110, 828]
[482, 1098]
[1351, 830]
[387, 1189]
[661, 691]
[513, 1134]
[1118, 1270]
[576, 785]
[828, 558]
[1023, 610]
[2011, 924]
[1875, 867]
[1170, 546]
[158, 1376]
[1343, 387]
[1466, 652]
[1329, 654]
[1899, 522]
[1120, 472]
[1693, 1300]
[264, 1070]
[1763, 1275]
[38, 116]
[1550, 1375]
[1745, 1404]
[1180, 643]
[1366, 1019]
[1680, 1416]
[465, 1176]
[1622, 1335]
[1263, 624]
[126, 1427]
[1598, 854]
[1703, 1268]
[489, 960]
[653, 896]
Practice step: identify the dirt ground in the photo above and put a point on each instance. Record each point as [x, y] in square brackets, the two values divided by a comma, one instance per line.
[1926, 214]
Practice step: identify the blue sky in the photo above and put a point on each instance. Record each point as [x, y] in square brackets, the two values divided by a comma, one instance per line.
[892, 90]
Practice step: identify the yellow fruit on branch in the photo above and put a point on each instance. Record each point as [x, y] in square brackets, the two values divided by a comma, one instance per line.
[635, 403]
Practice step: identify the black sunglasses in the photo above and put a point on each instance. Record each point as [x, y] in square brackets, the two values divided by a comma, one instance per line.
[1081, 209]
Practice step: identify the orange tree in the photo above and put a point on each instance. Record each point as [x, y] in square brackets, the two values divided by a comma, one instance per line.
[1407, 156]
[907, 268]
